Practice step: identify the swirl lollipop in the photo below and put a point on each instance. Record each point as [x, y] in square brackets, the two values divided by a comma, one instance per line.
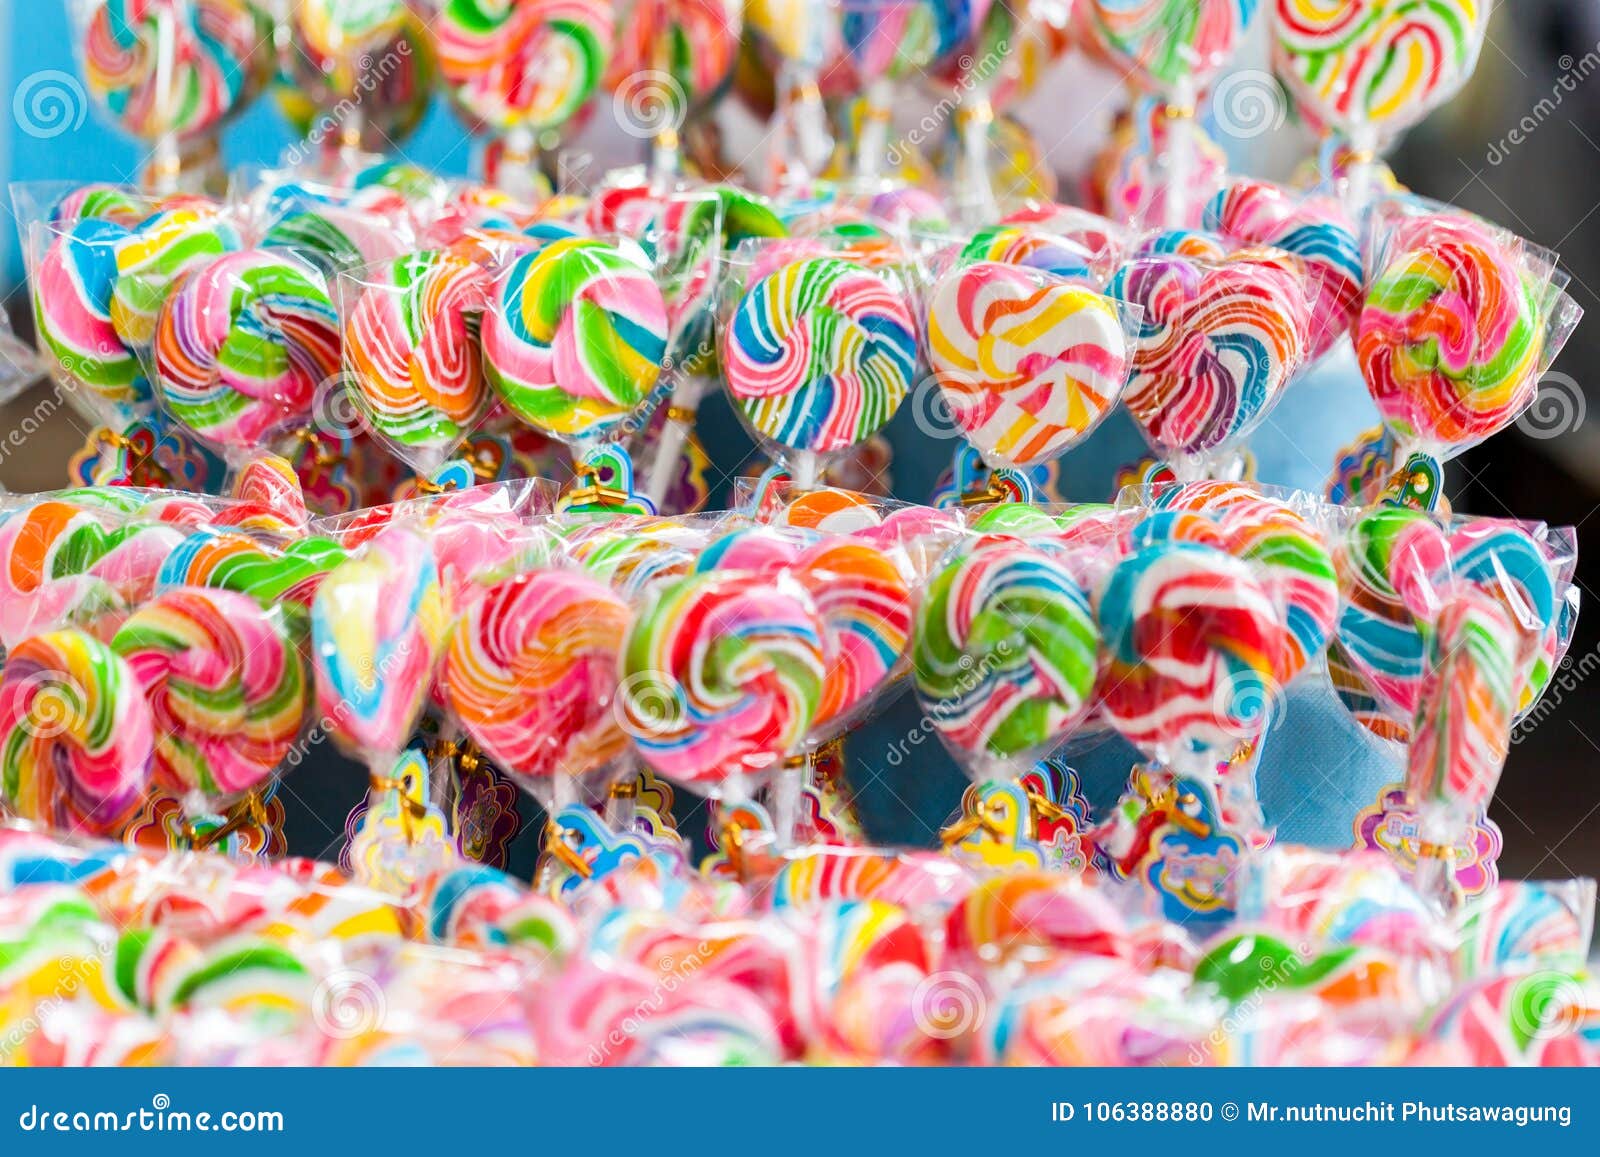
[1373, 69]
[1217, 344]
[172, 70]
[522, 67]
[410, 345]
[795, 40]
[377, 629]
[574, 341]
[531, 672]
[672, 59]
[1316, 231]
[722, 676]
[226, 688]
[363, 69]
[1004, 654]
[1455, 330]
[818, 355]
[1028, 365]
[77, 734]
[242, 346]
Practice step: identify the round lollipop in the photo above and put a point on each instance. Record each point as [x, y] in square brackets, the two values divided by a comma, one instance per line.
[411, 348]
[818, 355]
[574, 339]
[171, 70]
[975, 41]
[1217, 344]
[1028, 365]
[1371, 70]
[722, 676]
[1453, 334]
[522, 67]
[361, 73]
[77, 732]
[796, 40]
[226, 688]
[1193, 641]
[1004, 654]
[531, 672]
[242, 345]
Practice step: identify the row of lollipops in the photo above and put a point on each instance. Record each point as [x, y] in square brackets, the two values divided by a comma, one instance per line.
[450, 324]
[160, 642]
[357, 75]
[124, 957]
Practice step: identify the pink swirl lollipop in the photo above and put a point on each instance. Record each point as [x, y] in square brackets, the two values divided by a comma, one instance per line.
[531, 672]
[1217, 345]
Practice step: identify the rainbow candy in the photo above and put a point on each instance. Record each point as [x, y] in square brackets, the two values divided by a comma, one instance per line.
[243, 344]
[722, 676]
[374, 54]
[73, 286]
[46, 552]
[531, 673]
[176, 67]
[226, 688]
[377, 627]
[1465, 706]
[819, 354]
[1317, 232]
[1027, 367]
[529, 65]
[410, 345]
[1193, 641]
[1215, 348]
[692, 41]
[1005, 651]
[1451, 338]
[237, 562]
[1032, 248]
[574, 341]
[1376, 67]
[77, 733]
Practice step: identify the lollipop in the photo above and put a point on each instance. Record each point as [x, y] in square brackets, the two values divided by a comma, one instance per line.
[1373, 70]
[164, 248]
[377, 625]
[531, 671]
[1193, 639]
[1032, 249]
[226, 689]
[77, 734]
[411, 346]
[172, 69]
[1028, 367]
[819, 354]
[721, 676]
[1167, 46]
[243, 344]
[72, 286]
[1451, 339]
[45, 552]
[1004, 652]
[1314, 230]
[1216, 346]
[522, 66]
[365, 67]
[574, 341]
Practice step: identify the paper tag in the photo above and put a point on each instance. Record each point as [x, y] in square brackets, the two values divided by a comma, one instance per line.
[1390, 824]
[403, 836]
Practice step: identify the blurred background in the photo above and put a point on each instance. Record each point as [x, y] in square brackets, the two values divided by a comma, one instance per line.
[1520, 145]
